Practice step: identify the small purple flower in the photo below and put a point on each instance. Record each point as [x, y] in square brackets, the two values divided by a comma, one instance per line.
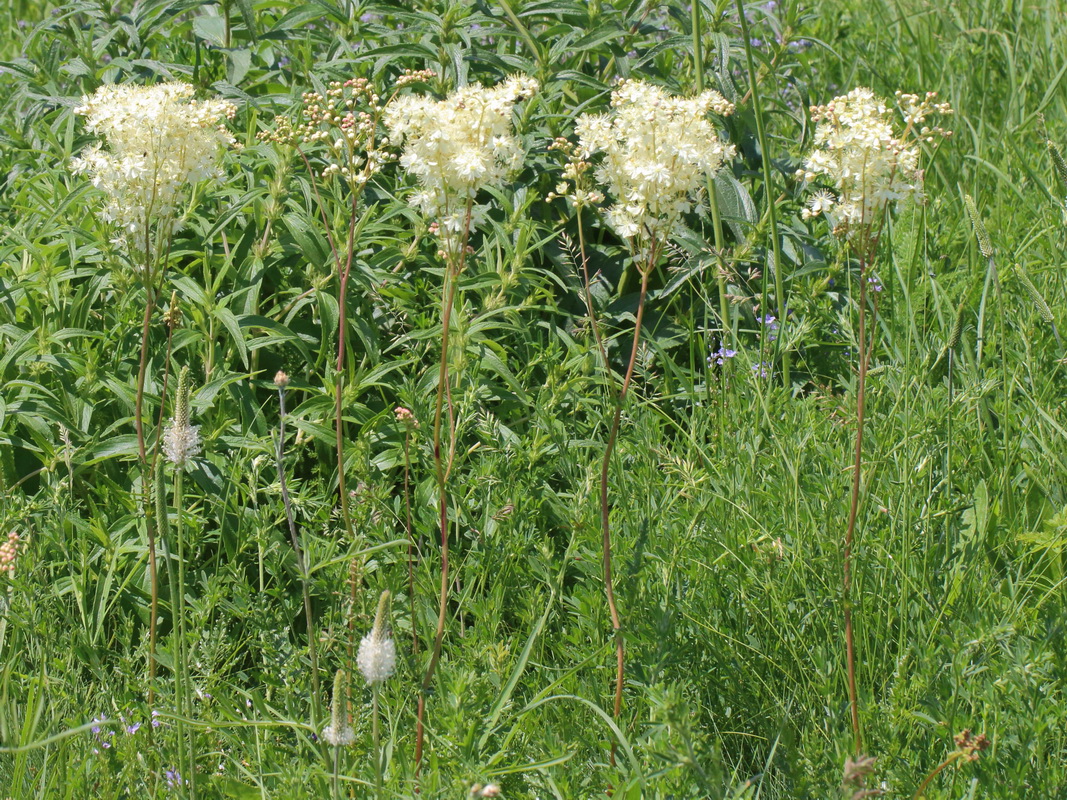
[875, 284]
[155, 722]
[174, 778]
[721, 355]
[96, 728]
[132, 729]
[771, 323]
[762, 369]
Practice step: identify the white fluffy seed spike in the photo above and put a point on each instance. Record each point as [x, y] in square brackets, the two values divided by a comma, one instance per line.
[377, 651]
[181, 441]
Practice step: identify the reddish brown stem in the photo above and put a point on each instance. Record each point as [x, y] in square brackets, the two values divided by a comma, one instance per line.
[147, 500]
[937, 771]
[411, 541]
[605, 509]
[448, 296]
[861, 393]
[453, 270]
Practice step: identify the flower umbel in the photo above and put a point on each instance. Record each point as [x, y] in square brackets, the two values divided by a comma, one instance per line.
[159, 140]
[457, 146]
[658, 152]
[868, 162]
[377, 651]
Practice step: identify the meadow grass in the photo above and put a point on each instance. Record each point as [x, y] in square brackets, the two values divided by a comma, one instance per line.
[729, 492]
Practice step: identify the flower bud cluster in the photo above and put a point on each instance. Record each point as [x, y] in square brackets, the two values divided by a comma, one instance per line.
[658, 152]
[576, 171]
[868, 163]
[159, 141]
[344, 123]
[405, 417]
[9, 553]
[458, 146]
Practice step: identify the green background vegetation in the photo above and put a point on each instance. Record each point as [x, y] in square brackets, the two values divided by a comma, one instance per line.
[730, 493]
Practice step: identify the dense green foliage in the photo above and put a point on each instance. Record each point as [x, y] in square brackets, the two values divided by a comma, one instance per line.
[730, 492]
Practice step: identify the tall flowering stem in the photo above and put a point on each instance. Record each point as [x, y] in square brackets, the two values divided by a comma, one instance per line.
[339, 130]
[869, 165]
[658, 152]
[454, 148]
[159, 143]
[377, 662]
[181, 443]
[407, 419]
[281, 381]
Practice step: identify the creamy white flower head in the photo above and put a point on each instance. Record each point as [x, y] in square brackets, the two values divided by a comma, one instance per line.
[658, 152]
[457, 146]
[159, 140]
[859, 151]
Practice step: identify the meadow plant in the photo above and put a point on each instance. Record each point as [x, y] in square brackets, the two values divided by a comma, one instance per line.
[338, 733]
[658, 152]
[969, 748]
[732, 669]
[340, 130]
[159, 143]
[454, 148]
[869, 165]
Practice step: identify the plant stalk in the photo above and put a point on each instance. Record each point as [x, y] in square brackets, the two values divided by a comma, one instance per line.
[301, 563]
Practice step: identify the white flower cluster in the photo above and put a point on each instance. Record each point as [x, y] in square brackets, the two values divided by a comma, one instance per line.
[868, 163]
[658, 152]
[457, 146]
[158, 141]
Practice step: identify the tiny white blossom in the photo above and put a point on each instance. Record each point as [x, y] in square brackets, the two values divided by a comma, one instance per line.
[377, 652]
[339, 737]
[181, 442]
